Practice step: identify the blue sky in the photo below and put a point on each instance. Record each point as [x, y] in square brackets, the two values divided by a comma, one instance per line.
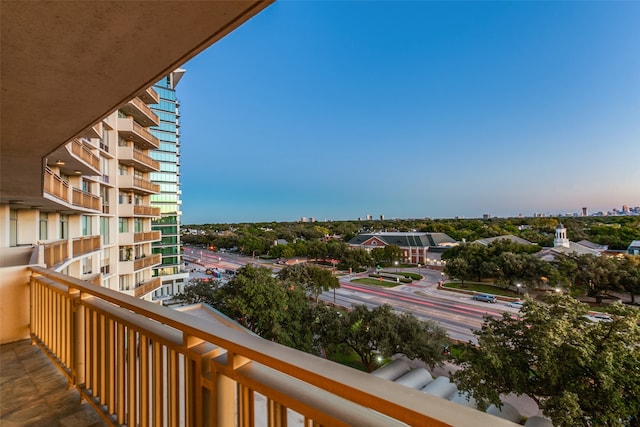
[339, 109]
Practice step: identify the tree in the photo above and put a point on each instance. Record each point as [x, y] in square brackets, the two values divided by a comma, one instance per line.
[393, 253]
[458, 268]
[581, 373]
[309, 278]
[199, 290]
[255, 300]
[371, 333]
[629, 270]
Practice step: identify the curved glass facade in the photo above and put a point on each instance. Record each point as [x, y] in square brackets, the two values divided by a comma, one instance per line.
[168, 200]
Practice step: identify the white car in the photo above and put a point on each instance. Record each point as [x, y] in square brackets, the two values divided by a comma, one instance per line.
[515, 304]
[599, 317]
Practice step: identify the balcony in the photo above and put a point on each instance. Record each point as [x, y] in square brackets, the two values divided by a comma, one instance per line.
[140, 112]
[85, 200]
[146, 236]
[129, 210]
[75, 158]
[58, 252]
[69, 197]
[147, 262]
[147, 287]
[94, 131]
[131, 131]
[140, 161]
[85, 245]
[138, 363]
[150, 96]
[138, 185]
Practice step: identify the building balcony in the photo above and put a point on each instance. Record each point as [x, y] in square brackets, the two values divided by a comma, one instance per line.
[140, 161]
[140, 112]
[146, 262]
[146, 236]
[137, 185]
[138, 363]
[129, 210]
[147, 287]
[59, 252]
[149, 96]
[75, 158]
[84, 245]
[70, 198]
[132, 131]
[94, 131]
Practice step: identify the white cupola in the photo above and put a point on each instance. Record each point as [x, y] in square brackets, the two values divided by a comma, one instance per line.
[561, 237]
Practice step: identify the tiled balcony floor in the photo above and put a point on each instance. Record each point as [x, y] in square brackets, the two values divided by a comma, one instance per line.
[34, 393]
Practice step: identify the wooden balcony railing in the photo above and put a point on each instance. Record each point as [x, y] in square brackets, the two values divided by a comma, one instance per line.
[146, 236]
[146, 185]
[144, 133]
[55, 186]
[147, 160]
[86, 200]
[138, 363]
[147, 261]
[56, 252]
[146, 287]
[145, 110]
[146, 210]
[82, 152]
[84, 245]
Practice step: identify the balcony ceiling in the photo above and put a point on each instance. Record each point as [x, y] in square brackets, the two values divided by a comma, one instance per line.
[67, 64]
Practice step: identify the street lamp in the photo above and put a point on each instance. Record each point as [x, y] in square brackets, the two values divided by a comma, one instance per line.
[418, 268]
[396, 264]
[518, 289]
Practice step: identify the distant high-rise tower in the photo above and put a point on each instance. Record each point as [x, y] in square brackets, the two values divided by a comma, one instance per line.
[168, 178]
[561, 237]
[381, 217]
[369, 217]
[584, 211]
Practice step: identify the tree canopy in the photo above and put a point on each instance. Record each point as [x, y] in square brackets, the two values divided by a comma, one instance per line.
[580, 372]
[379, 332]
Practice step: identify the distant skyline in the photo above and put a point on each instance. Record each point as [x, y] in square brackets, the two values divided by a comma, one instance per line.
[341, 109]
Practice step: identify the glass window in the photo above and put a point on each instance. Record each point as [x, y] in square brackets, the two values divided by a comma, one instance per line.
[64, 227]
[123, 225]
[86, 225]
[104, 230]
[13, 227]
[44, 224]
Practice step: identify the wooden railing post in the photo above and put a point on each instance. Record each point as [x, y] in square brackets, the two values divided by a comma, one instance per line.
[77, 338]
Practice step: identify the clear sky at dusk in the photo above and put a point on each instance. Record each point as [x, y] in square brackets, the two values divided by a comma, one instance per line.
[339, 109]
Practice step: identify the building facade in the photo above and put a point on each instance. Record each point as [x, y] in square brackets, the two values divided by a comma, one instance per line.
[170, 271]
[417, 248]
[94, 220]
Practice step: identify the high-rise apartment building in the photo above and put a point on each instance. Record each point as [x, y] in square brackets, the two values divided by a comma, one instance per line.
[168, 178]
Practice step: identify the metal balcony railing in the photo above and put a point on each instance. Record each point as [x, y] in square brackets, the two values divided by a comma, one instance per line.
[138, 363]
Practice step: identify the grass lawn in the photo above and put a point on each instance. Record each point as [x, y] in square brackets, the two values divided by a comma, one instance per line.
[377, 282]
[482, 287]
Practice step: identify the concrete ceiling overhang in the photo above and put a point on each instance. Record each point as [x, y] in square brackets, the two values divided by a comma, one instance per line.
[67, 64]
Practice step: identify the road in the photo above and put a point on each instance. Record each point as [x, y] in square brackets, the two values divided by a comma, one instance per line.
[457, 313]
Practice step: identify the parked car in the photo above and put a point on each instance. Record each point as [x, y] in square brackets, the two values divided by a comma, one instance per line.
[599, 317]
[485, 297]
[515, 304]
